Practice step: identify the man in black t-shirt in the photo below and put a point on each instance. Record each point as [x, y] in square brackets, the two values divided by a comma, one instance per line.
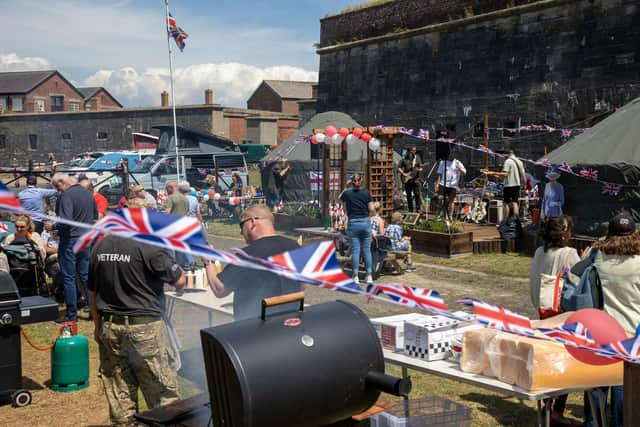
[410, 168]
[126, 281]
[251, 286]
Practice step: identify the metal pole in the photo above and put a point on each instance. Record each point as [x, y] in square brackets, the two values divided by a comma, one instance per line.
[173, 102]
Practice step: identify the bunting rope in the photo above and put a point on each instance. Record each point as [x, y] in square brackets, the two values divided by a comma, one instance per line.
[317, 265]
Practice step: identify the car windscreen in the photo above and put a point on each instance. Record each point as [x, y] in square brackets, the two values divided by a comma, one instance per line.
[146, 164]
[229, 162]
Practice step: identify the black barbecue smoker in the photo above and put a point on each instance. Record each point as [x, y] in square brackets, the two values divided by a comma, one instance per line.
[16, 311]
[314, 367]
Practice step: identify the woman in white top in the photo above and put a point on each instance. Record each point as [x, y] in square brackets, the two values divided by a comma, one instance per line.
[552, 258]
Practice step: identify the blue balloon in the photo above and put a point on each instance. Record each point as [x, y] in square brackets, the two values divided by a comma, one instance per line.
[638, 330]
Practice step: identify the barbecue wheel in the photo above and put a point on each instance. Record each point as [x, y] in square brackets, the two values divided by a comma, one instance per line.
[21, 398]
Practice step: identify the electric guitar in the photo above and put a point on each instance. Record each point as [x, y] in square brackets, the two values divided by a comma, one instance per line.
[479, 210]
[410, 175]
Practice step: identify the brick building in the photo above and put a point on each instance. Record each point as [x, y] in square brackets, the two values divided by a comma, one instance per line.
[38, 92]
[98, 99]
[281, 96]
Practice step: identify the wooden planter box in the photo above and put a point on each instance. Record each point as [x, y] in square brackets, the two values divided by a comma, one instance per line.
[441, 244]
[289, 222]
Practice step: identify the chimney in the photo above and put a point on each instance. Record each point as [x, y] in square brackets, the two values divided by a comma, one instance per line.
[164, 99]
[208, 97]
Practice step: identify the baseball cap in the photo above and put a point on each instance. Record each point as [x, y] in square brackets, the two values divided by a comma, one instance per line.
[622, 225]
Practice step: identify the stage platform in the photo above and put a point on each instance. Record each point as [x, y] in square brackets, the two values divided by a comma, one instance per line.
[486, 239]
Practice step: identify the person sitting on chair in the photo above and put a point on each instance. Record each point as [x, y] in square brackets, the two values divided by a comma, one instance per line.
[399, 242]
[377, 223]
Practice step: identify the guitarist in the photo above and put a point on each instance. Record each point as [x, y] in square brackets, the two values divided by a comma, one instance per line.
[449, 173]
[410, 168]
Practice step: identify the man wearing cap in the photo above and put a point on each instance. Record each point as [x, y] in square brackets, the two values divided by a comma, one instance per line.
[618, 260]
[32, 199]
[553, 197]
[126, 281]
[148, 198]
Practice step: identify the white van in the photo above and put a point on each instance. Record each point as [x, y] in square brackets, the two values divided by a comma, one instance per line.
[154, 171]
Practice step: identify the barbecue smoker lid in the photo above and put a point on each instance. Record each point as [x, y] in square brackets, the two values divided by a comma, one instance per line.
[8, 290]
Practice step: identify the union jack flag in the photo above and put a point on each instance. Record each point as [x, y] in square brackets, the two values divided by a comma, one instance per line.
[484, 148]
[8, 200]
[628, 350]
[571, 334]
[610, 188]
[405, 131]
[176, 32]
[544, 162]
[423, 299]
[589, 173]
[500, 318]
[566, 133]
[318, 262]
[422, 133]
[564, 166]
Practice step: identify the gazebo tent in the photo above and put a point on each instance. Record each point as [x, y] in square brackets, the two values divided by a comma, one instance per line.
[612, 148]
[298, 153]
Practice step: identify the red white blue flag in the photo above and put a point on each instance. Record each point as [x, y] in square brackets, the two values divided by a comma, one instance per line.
[8, 200]
[423, 299]
[500, 318]
[176, 32]
[628, 349]
[571, 334]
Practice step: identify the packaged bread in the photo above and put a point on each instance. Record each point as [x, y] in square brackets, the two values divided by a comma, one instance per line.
[530, 363]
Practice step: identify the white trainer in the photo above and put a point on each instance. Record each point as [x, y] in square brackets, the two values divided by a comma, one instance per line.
[369, 279]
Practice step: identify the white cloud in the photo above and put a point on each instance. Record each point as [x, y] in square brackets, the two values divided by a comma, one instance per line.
[232, 83]
[12, 62]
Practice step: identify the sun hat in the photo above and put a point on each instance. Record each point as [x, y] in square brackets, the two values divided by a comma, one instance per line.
[552, 173]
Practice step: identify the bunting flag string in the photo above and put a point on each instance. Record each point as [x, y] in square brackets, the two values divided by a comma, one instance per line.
[317, 265]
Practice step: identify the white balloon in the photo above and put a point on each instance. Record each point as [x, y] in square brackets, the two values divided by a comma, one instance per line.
[216, 196]
[337, 139]
[320, 137]
[351, 139]
[374, 144]
[205, 197]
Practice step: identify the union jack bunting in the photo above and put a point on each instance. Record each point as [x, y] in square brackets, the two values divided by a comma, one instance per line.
[405, 131]
[571, 334]
[484, 148]
[318, 262]
[610, 188]
[8, 200]
[176, 32]
[423, 299]
[544, 162]
[422, 133]
[564, 166]
[498, 317]
[566, 133]
[589, 173]
[628, 349]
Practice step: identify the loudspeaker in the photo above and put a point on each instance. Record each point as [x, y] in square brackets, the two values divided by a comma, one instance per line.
[443, 150]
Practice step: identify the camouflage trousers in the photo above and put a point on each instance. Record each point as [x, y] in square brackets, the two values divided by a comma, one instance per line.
[132, 357]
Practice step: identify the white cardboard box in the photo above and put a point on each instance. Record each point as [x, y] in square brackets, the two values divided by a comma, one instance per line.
[390, 329]
[430, 338]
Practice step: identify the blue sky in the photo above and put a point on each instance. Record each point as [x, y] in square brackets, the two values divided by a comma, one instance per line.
[232, 44]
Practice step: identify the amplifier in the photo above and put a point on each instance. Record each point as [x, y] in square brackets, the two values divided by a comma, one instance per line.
[495, 211]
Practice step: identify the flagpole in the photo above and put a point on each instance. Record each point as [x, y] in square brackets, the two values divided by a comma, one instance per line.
[173, 102]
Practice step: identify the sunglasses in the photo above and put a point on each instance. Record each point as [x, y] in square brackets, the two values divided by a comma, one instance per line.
[20, 227]
[244, 221]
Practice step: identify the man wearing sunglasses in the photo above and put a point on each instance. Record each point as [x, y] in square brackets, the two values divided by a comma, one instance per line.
[251, 286]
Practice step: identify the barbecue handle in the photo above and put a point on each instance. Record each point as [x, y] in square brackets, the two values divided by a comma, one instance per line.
[281, 299]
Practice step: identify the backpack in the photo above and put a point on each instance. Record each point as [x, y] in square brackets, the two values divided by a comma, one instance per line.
[587, 293]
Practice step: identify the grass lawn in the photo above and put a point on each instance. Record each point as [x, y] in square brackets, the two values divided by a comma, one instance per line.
[509, 264]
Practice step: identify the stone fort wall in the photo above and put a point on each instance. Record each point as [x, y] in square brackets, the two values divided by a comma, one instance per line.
[443, 65]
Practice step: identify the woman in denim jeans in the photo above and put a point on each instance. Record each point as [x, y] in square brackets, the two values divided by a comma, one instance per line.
[358, 203]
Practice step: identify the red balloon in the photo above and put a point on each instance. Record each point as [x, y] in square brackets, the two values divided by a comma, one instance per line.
[314, 140]
[603, 328]
[343, 132]
[211, 193]
[330, 131]
[357, 132]
[366, 137]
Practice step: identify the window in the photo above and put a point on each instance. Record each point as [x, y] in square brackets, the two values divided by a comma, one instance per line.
[3, 142]
[39, 105]
[3, 103]
[102, 136]
[167, 166]
[75, 106]
[229, 161]
[33, 142]
[16, 103]
[57, 103]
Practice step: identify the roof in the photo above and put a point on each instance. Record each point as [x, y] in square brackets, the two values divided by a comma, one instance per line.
[613, 140]
[89, 92]
[301, 151]
[23, 81]
[288, 89]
